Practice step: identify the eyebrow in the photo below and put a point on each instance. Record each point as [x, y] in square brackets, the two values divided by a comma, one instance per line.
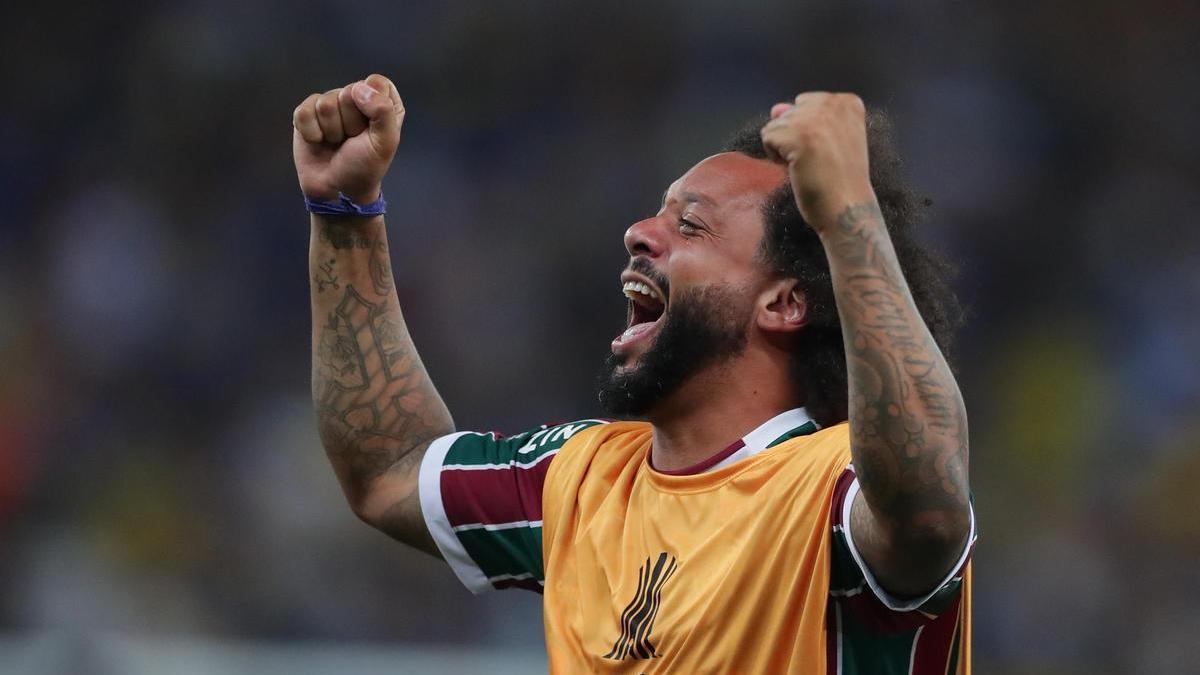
[691, 198]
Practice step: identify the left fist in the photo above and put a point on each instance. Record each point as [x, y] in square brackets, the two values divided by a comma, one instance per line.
[822, 137]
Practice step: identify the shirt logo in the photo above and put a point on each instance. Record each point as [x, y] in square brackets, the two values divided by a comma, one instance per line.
[637, 621]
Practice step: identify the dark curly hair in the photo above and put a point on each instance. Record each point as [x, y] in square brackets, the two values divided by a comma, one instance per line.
[792, 249]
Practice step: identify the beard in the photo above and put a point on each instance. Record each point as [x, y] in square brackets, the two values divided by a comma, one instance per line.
[704, 327]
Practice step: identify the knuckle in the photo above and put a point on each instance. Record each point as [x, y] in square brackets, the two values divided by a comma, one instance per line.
[304, 111]
[326, 105]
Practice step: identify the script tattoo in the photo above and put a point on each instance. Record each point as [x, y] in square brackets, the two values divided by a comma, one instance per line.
[350, 236]
[343, 235]
[908, 427]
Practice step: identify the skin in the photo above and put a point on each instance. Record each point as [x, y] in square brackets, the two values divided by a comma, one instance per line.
[377, 410]
[908, 424]
[713, 240]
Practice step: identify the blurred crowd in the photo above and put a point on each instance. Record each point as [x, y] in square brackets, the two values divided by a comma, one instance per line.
[160, 473]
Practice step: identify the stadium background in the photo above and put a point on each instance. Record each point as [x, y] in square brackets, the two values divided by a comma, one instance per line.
[164, 504]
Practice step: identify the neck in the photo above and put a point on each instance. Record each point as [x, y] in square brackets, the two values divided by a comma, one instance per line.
[714, 409]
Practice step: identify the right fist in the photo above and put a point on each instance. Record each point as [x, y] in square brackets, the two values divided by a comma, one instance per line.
[344, 140]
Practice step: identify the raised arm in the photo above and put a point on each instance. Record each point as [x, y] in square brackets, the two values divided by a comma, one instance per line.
[908, 426]
[377, 410]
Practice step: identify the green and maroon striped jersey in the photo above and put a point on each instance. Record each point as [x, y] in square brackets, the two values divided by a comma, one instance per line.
[871, 632]
[481, 494]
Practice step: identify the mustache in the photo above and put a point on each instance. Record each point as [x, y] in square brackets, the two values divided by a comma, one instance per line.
[644, 267]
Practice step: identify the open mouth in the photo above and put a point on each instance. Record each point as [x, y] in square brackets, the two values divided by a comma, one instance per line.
[646, 308]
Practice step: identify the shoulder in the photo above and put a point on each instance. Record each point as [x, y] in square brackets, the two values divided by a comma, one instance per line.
[609, 439]
[493, 449]
[837, 435]
[821, 455]
[601, 449]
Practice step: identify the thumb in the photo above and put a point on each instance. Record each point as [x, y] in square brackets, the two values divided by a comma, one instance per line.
[377, 99]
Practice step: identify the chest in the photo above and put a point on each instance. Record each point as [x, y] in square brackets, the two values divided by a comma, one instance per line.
[644, 573]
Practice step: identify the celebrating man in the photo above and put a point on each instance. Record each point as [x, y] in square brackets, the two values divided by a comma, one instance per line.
[797, 499]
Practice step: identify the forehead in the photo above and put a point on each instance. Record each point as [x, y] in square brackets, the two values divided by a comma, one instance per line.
[731, 181]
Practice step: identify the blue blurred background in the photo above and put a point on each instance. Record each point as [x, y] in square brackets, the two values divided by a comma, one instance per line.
[165, 505]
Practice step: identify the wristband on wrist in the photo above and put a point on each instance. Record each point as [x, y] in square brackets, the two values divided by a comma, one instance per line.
[344, 206]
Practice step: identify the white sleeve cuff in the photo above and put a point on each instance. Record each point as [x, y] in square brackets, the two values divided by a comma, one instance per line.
[429, 487]
[890, 601]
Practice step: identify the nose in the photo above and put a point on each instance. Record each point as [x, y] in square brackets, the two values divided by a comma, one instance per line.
[645, 237]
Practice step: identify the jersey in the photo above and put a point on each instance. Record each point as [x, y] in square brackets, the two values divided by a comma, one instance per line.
[747, 566]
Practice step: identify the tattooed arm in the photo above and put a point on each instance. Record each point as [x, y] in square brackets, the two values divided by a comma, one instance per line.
[908, 425]
[377, 410]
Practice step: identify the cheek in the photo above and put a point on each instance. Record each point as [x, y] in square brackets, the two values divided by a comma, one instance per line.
[693, 266]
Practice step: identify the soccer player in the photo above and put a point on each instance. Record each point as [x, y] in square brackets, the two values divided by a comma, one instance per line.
[796, 500]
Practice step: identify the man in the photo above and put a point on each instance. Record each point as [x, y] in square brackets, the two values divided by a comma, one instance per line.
[798, 500]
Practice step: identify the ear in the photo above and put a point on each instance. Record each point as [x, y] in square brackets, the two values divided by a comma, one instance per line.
[782, 307]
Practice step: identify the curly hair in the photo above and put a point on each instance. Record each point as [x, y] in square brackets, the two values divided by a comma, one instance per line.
[793, 250]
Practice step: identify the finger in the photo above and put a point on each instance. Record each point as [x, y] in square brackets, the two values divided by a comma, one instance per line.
[304, 119]
[353, 121]
[377, 99]
[853, 103]
[381, 83]
[780, 108]
[769, 143]
[329, 117]
[810, 97]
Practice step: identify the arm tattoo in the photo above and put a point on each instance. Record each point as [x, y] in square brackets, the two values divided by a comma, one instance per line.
[381, 267]
[373, 399]
[907, 423]
[325, 277]
[342, 235]
[377, 410]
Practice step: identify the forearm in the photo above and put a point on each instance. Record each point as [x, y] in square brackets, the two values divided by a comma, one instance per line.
[376, 408]
[908, 425]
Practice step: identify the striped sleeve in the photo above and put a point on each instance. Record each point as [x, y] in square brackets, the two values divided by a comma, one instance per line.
[481, 496]
[871, 631]
[851, 571]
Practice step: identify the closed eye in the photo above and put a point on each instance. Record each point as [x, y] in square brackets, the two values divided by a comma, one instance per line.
[687, 227]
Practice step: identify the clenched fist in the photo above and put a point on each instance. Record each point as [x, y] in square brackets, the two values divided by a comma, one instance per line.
[344, 139]
[822, 138]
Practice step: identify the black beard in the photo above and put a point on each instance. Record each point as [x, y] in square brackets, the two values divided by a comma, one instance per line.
[702, 328]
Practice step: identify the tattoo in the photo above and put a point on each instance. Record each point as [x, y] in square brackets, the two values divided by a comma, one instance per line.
[327, 279]
[350, 236]
[343, 235]
[381, 268]
[377, 410]
[374, 401]
[907, 424]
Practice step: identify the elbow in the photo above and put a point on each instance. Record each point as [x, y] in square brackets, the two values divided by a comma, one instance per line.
[921, 551]
[933, 539]
[372, 506]
[360, 507]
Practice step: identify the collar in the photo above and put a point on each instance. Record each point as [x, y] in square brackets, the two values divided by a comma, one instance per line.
[785, 425]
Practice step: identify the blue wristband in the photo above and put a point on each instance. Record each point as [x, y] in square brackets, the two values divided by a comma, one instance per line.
[345, 207]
